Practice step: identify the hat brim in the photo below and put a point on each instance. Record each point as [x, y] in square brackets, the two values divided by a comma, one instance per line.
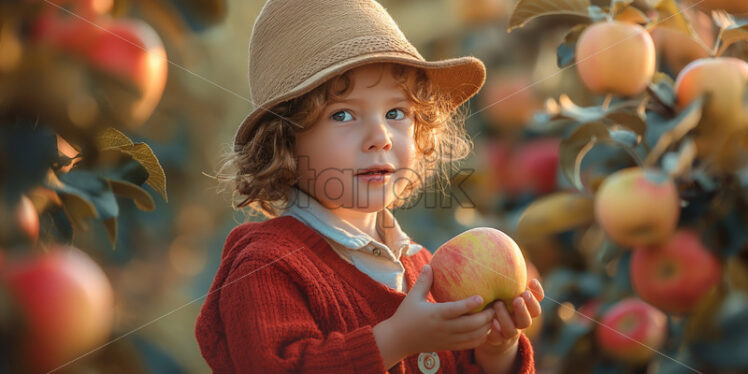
[458, 78]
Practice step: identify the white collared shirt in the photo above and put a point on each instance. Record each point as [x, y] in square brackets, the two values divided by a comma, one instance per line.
[381, 261]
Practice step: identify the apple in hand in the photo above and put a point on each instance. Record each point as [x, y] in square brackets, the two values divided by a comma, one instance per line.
[480, 261]
[66, 302]
[631, 331]
[676, 275]
[637, 206]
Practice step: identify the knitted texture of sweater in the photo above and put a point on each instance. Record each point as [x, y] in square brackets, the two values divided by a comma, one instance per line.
[283, 301]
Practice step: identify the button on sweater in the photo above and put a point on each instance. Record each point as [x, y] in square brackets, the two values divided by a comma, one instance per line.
[283, 301]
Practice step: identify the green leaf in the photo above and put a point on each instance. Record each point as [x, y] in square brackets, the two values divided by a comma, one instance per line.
[672, 16]
[731, 35]
[526, 10]
[578, 113]
[678, 163]
[143, 154]
[574, 147]
[631, 121]
[91, 188]
[78, 210]
[139, 196]
[675, 130]
[113, 140]
[662, 89]
[596, 13]
[555, 213]
[565, 51]
[111, 230]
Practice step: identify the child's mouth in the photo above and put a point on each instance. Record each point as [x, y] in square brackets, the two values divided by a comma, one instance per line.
[378, 176]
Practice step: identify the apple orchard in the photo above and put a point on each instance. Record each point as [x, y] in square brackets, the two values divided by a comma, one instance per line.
[647, 200]
[611, 144]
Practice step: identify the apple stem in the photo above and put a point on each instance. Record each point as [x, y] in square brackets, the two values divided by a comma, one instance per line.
[606, 102]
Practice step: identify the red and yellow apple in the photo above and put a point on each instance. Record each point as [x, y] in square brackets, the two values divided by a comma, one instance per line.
[676, 275]
[632, 331]
[725, 80]
[509, 101]
[637, 206]
[480, 261]
[67, 304]
[615, 58]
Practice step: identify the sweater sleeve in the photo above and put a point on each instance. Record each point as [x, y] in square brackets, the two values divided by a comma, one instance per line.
[525, 361]
[270, 329]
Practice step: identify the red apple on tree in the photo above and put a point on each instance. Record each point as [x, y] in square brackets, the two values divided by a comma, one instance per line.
[131, 50]
[480, 261]
[632, 331]
[498, 156]
[637, 206]
[128, 51]
[67, 304]
[675, 275]
[534, 167]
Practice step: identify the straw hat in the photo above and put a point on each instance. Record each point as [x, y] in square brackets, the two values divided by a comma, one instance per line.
[296, 45]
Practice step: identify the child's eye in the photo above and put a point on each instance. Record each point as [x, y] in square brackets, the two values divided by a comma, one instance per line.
[336, 116]
[395, 110]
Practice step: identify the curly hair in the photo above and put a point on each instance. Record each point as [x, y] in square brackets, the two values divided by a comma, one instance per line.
[265, 167]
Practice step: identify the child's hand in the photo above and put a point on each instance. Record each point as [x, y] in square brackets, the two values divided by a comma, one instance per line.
[423, 326]
[506, 327]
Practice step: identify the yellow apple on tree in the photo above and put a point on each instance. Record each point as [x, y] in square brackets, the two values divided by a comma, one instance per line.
[725, 80]
[637, 206]
[615, 58]
[480, 261]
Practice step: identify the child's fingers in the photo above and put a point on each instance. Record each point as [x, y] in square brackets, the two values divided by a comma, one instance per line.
[533, 306]
[537, 289]
[454, 309]
[471, 322]
[522, 319]
[423, 284]
[508, 329]
[475, 335]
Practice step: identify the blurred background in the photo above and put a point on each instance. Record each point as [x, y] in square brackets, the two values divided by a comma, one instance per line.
[114, 115]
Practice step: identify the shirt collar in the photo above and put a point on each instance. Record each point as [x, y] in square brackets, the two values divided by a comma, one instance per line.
[308, 210]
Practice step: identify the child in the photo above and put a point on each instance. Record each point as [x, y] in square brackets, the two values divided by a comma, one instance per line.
[351, 122]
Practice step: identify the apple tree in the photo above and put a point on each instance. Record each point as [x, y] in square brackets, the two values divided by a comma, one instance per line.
[651, 201]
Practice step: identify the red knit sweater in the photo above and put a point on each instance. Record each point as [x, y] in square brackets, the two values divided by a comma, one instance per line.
[283, 301]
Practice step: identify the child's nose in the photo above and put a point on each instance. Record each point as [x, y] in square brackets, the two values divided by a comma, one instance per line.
[378, 136]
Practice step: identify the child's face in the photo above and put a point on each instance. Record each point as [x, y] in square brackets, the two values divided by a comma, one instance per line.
[374, 126]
